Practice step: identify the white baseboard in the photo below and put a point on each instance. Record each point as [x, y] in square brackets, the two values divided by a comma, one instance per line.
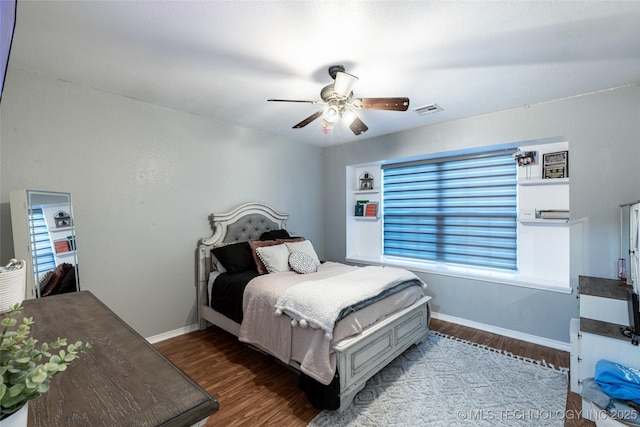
[172, 334]
[558, 345]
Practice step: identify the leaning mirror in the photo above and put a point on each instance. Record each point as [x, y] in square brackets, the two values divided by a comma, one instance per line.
[44, 235]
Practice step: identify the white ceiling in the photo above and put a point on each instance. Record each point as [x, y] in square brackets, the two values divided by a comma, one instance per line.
[224, 59]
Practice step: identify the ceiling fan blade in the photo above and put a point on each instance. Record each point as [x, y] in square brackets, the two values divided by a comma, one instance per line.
[308, 120]
[291, 100]
[358, 127]
[344, 84]
[393, 104]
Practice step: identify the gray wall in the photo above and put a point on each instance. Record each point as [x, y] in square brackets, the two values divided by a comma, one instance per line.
[144, 180]
[603, 130]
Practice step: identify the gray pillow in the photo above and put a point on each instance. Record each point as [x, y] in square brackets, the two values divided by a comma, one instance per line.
[302, 263]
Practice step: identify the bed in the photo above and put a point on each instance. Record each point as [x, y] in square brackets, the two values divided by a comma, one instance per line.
[335, 357]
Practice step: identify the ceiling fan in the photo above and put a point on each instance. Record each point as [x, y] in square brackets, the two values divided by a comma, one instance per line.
[338, 103]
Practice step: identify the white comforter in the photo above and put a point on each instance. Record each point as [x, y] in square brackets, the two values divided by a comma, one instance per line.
[307, 346]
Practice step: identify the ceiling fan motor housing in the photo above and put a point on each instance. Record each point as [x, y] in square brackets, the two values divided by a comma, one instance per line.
[334, 69]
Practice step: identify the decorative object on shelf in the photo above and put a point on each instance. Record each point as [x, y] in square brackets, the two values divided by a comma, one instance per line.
[72, 242]
[553, 214]
[622, 269]
[525, 158]
[555, 165]
[62, 219]
[366, 181]
[371, 210]
[12, 284]
[31, 367]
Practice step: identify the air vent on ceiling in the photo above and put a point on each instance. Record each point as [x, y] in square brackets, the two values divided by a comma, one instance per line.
[428, 109]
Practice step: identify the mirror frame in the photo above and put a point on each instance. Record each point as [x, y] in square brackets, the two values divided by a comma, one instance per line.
[60, 229]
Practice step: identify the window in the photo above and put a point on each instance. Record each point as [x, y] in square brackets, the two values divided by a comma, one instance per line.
[459, 210]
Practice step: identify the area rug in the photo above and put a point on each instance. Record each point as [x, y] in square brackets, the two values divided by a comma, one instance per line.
[448, 382]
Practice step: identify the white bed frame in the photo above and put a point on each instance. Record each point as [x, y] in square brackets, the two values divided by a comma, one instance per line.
[358, 357]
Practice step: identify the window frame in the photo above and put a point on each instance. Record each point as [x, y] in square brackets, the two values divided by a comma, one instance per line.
[363, 244]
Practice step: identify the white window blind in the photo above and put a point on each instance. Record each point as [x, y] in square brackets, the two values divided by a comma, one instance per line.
[42, 253]
[458, 210]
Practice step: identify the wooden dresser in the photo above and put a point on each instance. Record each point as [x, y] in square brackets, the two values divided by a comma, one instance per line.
[122, 381]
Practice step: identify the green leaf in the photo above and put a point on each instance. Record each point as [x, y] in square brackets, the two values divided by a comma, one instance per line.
[16, 389]
[8, 322]
[51, 367]
[39, 374]
[44, 387]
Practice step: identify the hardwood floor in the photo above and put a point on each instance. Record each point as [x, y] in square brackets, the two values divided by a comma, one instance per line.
[254, 389]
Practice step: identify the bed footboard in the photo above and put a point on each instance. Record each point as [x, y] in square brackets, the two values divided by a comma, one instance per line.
[362, 356]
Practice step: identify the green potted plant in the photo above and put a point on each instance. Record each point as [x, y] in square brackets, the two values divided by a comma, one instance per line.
[26, 366]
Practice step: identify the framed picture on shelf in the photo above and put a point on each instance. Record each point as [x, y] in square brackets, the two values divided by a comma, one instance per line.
[366, 181]
[555, 165]
[62, 219]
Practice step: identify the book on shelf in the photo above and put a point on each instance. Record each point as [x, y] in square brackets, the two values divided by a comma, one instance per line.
[371, 209]
[553, 214]
[62, 246]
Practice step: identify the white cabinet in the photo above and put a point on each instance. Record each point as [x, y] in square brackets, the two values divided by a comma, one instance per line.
[597, 334]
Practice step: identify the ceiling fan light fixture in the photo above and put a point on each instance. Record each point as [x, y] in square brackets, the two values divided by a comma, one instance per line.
[348, 116]
[331, 113]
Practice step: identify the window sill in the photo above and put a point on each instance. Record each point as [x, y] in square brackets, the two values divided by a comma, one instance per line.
[485, 275]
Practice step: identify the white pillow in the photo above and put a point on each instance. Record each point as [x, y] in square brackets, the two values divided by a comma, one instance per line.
[304, 246]
[275, 258]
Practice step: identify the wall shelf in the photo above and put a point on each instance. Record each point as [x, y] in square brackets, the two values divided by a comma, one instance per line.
[544, 221]
[540, 181]
[366, 192]
[65, 254]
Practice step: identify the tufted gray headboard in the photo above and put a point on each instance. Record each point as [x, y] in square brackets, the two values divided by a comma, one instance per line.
[249, 227]
[246, 222]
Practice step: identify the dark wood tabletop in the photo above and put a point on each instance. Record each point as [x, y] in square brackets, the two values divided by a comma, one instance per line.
[122, 381]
